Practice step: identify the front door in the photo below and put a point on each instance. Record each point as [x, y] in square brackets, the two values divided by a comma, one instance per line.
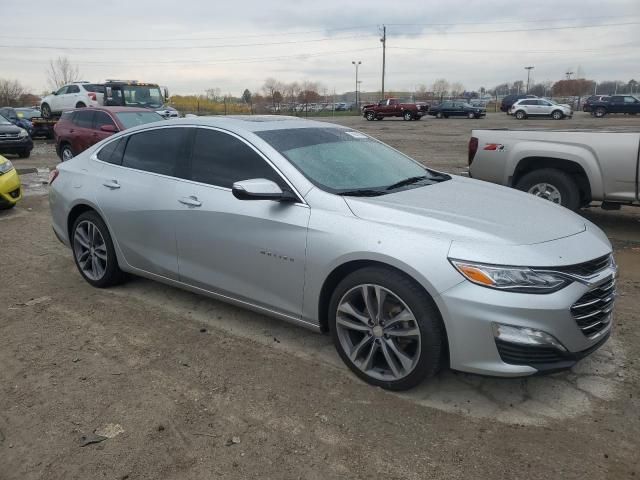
[249, 250]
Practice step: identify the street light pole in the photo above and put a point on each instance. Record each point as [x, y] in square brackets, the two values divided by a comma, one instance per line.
[357, 64]
[528, 69]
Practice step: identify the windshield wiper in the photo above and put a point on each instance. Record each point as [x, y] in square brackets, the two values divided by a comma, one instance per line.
[362, 193]
[407, 181]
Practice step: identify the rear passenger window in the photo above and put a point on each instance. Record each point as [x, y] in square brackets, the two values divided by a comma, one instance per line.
[83, 118]
[157, 151]
[112, 152]
[102, 118]
[221, 159]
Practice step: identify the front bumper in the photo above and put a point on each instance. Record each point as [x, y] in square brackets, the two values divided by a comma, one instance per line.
[24, 144]
[470, 312]
[10, 189]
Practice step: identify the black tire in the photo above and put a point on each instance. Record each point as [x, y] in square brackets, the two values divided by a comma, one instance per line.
[7, 206]
[370, 116]
[471, 115]
[45, 110]
[379, 117]
[439, 115]
[428, 319]
[80, 105]
[24, 154]
[407, 116]
[445, 116]
[600, 112]
[520, 115]
[557, 115]
[112, 275]
[63, 149]
[561, 181]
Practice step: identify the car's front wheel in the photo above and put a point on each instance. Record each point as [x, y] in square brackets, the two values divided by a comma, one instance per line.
[386, 328]
[93, 251]
[370, 116]
[600, 112]
[24, 153]
[557, 115]
[438, 114]
[66, 153]
[45, 110]
[471, 115]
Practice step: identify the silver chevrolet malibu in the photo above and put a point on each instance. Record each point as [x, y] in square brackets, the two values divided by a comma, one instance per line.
[408, 268]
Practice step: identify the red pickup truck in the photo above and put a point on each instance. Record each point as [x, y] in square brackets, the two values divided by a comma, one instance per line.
[392, 107]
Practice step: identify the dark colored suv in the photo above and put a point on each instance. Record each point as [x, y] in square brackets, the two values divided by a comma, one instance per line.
[79, 129]
[509, 100]
[627, 104]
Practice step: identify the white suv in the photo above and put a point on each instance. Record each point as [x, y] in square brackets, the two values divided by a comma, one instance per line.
[530, 107]
[73, 95]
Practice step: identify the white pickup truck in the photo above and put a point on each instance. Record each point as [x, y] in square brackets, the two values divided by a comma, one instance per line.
[572, 168]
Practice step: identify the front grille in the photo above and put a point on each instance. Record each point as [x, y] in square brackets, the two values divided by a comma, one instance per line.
[10, 136]
[15, 193]
[592, 312]
[585, 269]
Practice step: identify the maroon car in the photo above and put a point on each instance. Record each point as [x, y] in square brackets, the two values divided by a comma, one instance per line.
[81, 128]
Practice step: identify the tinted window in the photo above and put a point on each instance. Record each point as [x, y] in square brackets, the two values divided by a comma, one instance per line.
[90, 87]
[101, 118]
[527, 102]
[73, 89]
[112, 152]
[629, 100]
[617, 99]
[157, 151]
[83, 118]
[131, 119]
[221, 159]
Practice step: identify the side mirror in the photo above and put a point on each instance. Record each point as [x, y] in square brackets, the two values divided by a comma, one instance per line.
[261, 189]
[54, 93]
[108, 128]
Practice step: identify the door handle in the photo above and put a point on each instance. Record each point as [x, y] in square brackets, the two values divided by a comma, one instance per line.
[112, 184]
[191, 201]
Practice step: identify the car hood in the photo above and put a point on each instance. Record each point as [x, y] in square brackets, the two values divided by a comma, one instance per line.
[467, 210]
[9, 128]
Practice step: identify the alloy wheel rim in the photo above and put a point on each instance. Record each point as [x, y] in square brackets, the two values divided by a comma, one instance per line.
[90, 250]
[378, 332]
[546, 191]
[67, 154]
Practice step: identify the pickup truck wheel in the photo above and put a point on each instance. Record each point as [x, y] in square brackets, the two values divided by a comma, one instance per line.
[557, 115]
[370, 116]
[520, 115]
[553, 185]
[407, 116]
[600, 112]
[439, 115]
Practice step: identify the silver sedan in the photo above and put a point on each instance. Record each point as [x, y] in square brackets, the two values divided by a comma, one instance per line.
[409, 269]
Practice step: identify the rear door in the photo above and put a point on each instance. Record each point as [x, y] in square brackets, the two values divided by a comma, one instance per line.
[136, 194]
[250, 250]
[101, 119]
[543, 107]
[81, 132]
[616, 104]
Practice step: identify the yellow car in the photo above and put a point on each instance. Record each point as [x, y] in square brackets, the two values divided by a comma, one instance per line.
[10, 188]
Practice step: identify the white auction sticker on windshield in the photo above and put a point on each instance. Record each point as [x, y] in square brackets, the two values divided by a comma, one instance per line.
[356, 134]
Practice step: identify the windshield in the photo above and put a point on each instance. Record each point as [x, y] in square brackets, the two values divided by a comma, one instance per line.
[345, 161]
[131, 119]
[4, 121]
[142, 96]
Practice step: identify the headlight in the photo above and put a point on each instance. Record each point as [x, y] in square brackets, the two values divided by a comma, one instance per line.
[6, 167]
[512, 279]
[23, 133]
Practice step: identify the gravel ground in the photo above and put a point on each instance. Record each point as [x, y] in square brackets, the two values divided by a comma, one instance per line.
[183, 386]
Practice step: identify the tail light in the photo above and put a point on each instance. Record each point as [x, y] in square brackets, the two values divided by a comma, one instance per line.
[92, 96]
[473, 148]
[53, 174]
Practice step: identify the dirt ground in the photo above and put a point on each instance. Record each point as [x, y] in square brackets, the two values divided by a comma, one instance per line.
[184, 387]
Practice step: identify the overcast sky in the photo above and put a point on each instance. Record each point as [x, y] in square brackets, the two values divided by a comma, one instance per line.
[192, 45]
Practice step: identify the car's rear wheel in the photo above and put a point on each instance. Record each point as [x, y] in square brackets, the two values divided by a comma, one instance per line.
[370, 116]
[521, 115]
[557, 115]
[93, 251]
[553, 185]
[600, 112]
[407, 116]
[439, 115]
[45, 110]
[386, 328]
[80, 105]
[66, 153]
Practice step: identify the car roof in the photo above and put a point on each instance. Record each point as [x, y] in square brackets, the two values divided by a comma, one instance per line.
[112, 109]
[250, 123]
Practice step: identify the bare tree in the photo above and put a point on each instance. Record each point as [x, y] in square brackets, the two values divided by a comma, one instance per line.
[10, 92]
[213, 94]
[457, 89]
[61, 71]
[440, 87]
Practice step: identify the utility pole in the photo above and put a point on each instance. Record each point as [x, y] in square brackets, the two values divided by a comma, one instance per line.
[528, 69]
[384, 50]
[357, 64]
